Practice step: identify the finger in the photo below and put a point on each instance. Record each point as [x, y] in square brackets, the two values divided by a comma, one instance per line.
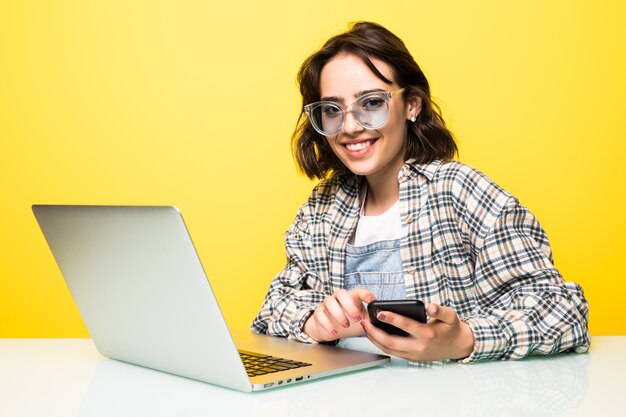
[335, 311]
[445, 314]
[351, 304]
[323, 323]
[402, 322]
[418, 332]
[363, 294]
[381, 339]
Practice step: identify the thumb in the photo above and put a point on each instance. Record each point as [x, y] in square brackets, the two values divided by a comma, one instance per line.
[445, 314]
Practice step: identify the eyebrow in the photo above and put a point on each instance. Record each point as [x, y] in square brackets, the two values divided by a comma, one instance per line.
[357, 95]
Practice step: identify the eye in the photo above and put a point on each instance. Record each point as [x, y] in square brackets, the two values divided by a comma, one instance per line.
[373, 103]
[328, 110]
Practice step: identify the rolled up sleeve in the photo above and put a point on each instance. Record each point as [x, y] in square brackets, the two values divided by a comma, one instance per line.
[524, 306]
[296, 291]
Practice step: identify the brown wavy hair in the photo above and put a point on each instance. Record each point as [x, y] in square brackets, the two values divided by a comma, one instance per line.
[428, 138]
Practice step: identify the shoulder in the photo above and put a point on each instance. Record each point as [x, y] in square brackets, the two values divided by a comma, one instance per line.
[455, 174]
[328, 193]
[465, 184]
[326, 188]
[463, 193]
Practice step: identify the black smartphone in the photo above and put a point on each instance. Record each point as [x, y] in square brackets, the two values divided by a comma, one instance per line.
[413, 309]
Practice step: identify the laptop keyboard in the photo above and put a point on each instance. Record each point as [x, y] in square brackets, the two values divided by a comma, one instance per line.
[257, 364]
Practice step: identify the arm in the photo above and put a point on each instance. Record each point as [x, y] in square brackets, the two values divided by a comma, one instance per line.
[299, 304]
[296, 291]
[524, 306]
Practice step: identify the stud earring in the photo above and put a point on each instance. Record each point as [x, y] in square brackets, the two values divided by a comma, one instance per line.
[413, 119]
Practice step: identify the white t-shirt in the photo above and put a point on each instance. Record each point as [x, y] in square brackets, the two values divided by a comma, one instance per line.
[371, 229]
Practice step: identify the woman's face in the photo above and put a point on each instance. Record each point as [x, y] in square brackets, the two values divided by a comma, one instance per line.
[376, 153]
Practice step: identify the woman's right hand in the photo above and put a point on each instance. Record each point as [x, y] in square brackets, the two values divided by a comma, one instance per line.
[339, 315]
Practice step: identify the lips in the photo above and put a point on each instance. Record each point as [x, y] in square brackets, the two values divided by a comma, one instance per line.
[359, 147]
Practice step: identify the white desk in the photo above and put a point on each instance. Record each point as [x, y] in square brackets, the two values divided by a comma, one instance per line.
[68, 377]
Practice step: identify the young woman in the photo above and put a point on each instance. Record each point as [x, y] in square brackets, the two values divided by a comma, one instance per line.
[394, 217]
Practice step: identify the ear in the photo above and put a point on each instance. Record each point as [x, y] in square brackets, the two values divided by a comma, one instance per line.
[414, 106]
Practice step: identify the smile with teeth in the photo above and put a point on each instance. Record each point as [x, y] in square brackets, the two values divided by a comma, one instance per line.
[359, 145]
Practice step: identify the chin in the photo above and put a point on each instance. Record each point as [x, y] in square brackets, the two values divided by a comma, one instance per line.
[361, 170]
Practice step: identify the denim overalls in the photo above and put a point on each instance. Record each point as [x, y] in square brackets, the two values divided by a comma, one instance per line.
[375, 263]
[377, 267]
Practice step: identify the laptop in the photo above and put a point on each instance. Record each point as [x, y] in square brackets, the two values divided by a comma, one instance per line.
[143, 294]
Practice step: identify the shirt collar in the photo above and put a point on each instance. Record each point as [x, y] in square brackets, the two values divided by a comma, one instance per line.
[410, 169]
[352, 183]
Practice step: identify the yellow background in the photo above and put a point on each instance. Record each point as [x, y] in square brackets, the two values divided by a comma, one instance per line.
[193, 103]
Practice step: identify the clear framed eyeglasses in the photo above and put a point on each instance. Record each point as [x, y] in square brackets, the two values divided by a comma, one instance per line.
[370, 111]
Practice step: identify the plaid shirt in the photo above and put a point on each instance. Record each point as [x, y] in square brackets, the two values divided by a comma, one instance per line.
[467, 244]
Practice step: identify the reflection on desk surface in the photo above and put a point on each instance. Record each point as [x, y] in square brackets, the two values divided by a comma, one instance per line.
[68, 378]
[535, 387]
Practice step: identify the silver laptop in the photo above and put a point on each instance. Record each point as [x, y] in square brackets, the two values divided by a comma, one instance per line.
[145, 299]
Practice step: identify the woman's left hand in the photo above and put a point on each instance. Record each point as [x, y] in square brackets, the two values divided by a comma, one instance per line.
[445, 336]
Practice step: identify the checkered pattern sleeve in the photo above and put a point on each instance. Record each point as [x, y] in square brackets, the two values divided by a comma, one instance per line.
[297, 290]
[523, 305]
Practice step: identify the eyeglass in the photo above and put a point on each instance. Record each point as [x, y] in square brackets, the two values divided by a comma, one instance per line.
[370, 111]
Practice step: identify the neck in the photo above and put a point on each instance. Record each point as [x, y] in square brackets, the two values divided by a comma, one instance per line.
[382, 193]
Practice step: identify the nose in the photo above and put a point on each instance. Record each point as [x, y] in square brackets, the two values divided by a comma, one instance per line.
[350, 125]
